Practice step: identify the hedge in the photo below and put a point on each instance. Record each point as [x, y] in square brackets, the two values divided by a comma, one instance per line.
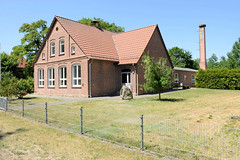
[218, 79]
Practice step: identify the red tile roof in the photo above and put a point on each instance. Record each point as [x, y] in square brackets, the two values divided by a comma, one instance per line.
[130, 45]
[96, 43]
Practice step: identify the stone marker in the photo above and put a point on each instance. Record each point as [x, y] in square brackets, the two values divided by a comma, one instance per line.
[126, 93]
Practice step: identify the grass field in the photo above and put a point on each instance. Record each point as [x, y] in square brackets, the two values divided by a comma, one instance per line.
[14, 102]
[24, 139]
[189, 115]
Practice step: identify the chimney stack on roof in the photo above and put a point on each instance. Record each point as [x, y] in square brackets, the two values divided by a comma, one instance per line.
[95, 22]
[202, 45]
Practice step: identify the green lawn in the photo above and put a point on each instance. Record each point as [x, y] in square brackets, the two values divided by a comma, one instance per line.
[22, 139]
[182, 122]
[14, 102]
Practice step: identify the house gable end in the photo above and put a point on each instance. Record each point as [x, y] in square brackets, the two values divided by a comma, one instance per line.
[156, 47]
[55, 33]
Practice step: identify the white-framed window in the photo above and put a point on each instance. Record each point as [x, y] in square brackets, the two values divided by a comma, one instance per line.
[63, 76]
[193, 78]
[73, 50]
[41, 77]
[176, 77]
[51, 77]
[52, 49]
[43, 55]
[61, 47]
[76, 75]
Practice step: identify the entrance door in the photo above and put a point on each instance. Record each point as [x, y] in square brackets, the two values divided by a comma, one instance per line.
[126, 79]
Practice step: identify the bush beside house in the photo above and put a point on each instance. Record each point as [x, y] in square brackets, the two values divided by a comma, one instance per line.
[218, 79]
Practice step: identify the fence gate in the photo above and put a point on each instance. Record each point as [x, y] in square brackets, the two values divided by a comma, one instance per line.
[3, 103]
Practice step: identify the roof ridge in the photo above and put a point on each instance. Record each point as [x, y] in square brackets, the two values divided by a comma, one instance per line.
[136, 29]
[83, 23]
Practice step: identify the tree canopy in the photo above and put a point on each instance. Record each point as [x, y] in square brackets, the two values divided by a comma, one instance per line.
[33, 37]
[157, 74]
[234, 55]
[103, 24]
[182, 58]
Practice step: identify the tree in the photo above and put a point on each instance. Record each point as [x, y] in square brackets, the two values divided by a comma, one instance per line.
[234, 55]
[182, 58]
[212, 62]
[32, 39]
[157, 74]
[103, 24]
[9, 63]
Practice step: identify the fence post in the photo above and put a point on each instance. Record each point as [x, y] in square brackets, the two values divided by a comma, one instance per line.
[81, 120]
[6, 109]
[22, 107]
[46, 120]
[142, 145]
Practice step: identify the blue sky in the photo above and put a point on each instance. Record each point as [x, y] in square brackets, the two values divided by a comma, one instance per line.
[178, 20]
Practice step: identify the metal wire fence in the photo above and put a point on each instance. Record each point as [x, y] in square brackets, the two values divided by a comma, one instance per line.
[179, 139]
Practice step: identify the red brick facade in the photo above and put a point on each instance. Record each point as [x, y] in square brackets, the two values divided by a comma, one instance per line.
[185, 77]
[98, 77]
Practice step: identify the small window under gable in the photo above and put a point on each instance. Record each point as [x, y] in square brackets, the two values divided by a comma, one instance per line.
[73, 50]
[61, 47]
[43, 56]
[52, 49]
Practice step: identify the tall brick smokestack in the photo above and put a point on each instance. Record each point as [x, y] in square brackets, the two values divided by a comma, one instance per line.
[202, 45]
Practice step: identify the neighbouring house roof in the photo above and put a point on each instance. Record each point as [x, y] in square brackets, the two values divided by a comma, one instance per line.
[185, 69]
[96, 43]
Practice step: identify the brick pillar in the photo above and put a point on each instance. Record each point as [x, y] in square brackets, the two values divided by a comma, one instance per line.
[202, 45]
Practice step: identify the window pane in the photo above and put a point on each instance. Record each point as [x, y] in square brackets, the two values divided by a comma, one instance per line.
[79, 81]
[53, 73]
[75, 71]
[74, 82]
[124, 78]
[62, 48]
[61, 71]
[79, 71]
[65, 72]
[42, 74]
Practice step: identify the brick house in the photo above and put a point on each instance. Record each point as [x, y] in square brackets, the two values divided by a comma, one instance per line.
[184, 77]
[76, 59]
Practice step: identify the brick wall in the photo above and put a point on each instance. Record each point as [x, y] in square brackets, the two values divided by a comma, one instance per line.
[67, 59]
[185, 81]
[156, 49]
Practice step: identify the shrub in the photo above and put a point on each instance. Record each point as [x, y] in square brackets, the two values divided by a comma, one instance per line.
[22, 88]
[11, 86]
[218, 79]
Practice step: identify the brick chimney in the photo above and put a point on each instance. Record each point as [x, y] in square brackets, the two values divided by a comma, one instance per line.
[202, 45]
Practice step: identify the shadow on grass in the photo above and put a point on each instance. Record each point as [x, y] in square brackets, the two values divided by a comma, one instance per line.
[3, 135]
[169, 99]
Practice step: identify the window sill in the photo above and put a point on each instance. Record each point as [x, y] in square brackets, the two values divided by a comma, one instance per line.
[52, 56]
[77, 87]
[72, 53]
[61, 54]
[63, 87]
[40, 86]
[51, 87]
